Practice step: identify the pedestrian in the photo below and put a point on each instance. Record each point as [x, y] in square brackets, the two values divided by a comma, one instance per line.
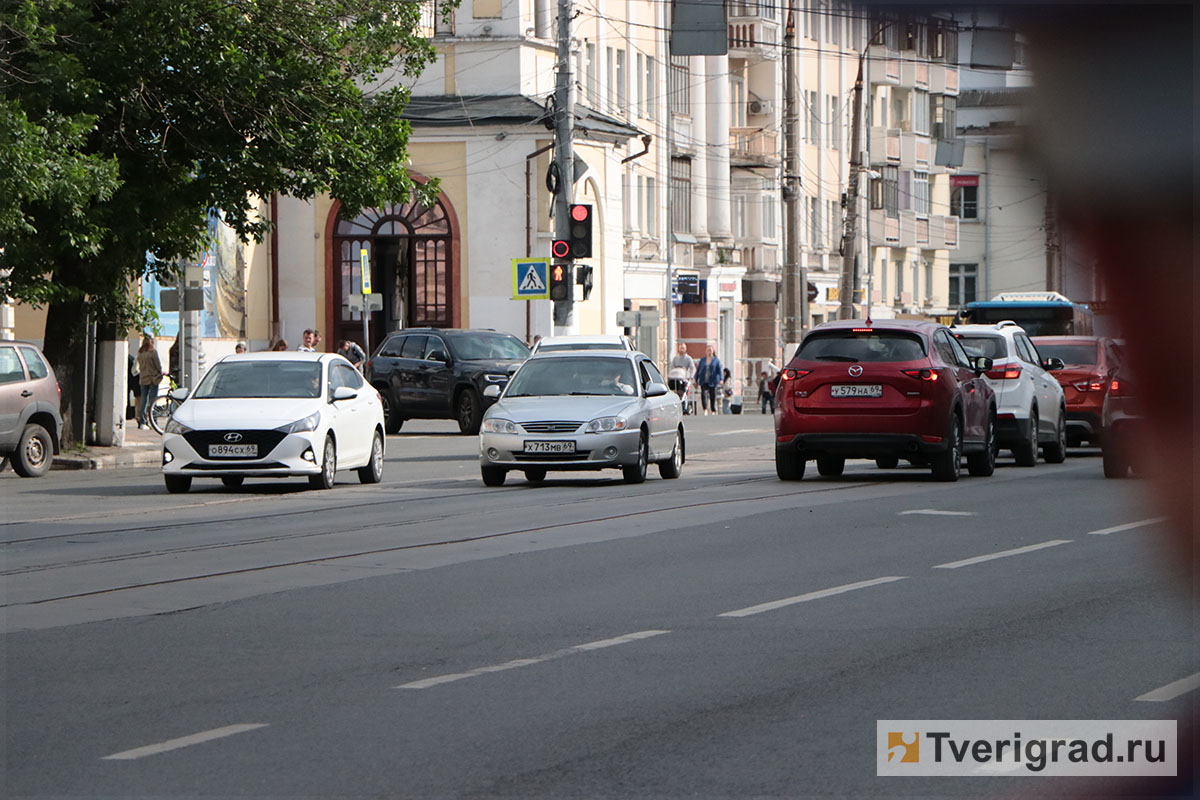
[708, 375]
[307, 344]
[687, 366]
[280, 346]
[352, 352]
[316, 345]
[150, 374]
[239, 348]
[766, 397]
[726, 392]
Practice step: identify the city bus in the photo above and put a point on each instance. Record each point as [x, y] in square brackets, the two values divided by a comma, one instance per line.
[1039, 313]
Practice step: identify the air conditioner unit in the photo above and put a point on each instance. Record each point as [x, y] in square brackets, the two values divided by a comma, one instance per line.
[760, 107]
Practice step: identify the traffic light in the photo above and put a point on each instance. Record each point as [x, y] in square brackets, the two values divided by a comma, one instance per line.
[560, 282]
[580, 231]
[560, 248]
[583, 276]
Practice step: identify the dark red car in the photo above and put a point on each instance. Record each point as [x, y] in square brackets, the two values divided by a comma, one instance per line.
[1090, 363]
[886, 390]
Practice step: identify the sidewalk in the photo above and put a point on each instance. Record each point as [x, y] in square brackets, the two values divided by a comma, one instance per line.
[142, 449]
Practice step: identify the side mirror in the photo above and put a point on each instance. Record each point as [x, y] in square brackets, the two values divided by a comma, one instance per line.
[344, 393]
[981, 364]
[491, 391]
[439, 355]
[1053, 363]
[655, 389]
[179, 394]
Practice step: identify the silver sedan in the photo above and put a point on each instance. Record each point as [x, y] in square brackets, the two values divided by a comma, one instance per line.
[583, 411]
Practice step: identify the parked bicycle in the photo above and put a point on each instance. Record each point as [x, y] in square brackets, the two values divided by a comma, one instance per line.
[164, 406]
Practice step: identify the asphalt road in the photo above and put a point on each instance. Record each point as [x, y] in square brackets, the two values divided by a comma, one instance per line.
[721, 635]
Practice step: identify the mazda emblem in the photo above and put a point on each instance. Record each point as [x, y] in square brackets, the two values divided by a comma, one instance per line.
[237, 437]
[855, 370]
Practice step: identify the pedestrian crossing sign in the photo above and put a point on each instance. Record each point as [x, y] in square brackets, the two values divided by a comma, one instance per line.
[531, 278]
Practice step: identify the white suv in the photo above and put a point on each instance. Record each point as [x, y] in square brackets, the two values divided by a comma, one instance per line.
[1030, 408]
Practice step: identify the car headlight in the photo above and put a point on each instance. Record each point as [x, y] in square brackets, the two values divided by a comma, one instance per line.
[174, 426]
[605, 424]
[497, 425]
[492, 377]
[309, 423]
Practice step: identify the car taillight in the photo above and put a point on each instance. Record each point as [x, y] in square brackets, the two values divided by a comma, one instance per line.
[795, 374]
[1120, 388]
[1095, 385]
[1005, 372]
[922, 374]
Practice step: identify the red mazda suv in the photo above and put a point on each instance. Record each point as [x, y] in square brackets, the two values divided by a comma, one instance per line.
[886, 390]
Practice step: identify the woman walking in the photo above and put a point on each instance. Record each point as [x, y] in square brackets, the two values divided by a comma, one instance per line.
[150, 374]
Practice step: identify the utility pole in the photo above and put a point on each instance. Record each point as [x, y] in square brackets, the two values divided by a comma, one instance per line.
[850, 237]
[795, 297]
[564, 159]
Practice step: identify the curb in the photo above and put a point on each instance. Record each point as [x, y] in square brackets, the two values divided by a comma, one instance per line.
[144, 456]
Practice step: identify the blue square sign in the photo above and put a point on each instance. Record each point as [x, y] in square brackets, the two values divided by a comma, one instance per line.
[531, 278]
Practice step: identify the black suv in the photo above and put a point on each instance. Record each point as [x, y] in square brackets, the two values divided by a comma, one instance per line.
[440, 373]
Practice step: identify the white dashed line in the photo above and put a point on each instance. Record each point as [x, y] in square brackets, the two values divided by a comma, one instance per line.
[1127, 526]
[184, 741]
[525, 662]
[804, 598]
[1172, 690]
[934, 512]
[739, 430]
[966, 562]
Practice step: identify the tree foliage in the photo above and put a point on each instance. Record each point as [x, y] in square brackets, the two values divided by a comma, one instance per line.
[123, 122]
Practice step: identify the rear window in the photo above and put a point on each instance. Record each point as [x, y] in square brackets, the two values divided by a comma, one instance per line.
[1071, 354]
[37, 367]
[993, 347]
[874, 346]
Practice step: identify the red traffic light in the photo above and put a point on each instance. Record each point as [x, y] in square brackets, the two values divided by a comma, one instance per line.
[561, 248]
[580, 213]
[558, 273]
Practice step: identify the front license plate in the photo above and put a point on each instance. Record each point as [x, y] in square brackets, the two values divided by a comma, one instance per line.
[857, 390]
[550, 447]
[227, 450]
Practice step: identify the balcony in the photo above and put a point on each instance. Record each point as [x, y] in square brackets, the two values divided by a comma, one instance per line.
[889, 72]
[943, 233]
[884, 145]
[908, 230]
[914, 74]
[753, 36]
[753, 147]
[885, 230]
[943, 79]
[915, 150]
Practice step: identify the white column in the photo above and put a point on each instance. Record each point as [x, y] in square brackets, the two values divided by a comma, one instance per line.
[112, 369]
[718, 116]
[698, 98]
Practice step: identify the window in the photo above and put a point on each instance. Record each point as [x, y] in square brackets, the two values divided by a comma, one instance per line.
[681, 83]
[414, 347]
[806, 12]
[835, 220]
[740, 223]
[814, 221]
[814, 122]
[961, 353]
[681, 194]
[835, 138]
[920, 111]
[639, 89]
[944, 111]
[609, 77]
[885, 191]
[35, 365]
[920, 193]
[768, 215]
[392, 347]
[943, 42]
[621, 104]
[737, 96]
[434, 344]
[1026, 350]
[591, 92]
[929, 280]
[651, 209]
[650, 92]
[964, 202]
[941, 343]
[626, 201]
[835, 25]
[962, 284]
[904, 190]
[11, 370]
[899, 280]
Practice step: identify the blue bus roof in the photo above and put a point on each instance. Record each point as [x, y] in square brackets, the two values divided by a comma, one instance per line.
[1022, 304]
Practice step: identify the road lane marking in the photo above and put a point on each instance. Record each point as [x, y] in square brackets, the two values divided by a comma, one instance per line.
[804, 598]
[1127, 526]
[934, 512]
[1172, 690]
[183, 741]
[966, 562]
[739, 430]
[525, 662]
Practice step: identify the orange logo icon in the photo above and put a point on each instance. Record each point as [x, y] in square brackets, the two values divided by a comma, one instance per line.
[906, 751]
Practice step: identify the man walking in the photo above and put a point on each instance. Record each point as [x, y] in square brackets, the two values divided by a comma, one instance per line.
[708, 374]
[308, 343]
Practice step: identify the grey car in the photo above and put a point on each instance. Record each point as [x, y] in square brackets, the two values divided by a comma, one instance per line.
[587, 410]
[30, 422]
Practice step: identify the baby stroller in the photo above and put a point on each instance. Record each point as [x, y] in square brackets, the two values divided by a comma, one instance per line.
[678, 382]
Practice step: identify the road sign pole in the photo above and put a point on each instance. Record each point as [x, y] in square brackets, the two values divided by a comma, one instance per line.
[365, 258]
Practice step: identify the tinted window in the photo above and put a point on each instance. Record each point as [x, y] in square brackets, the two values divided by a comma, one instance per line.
[482, 346]
[959, 352]
[994, 347]
[414, 347]
[1071, 354]
[37, 367]
[877, 345]
[433, 344]
[261, 379]
[945, 351]
[1027, 350]
[391, 348]
[655, 375]
[566, 376]
[11, 370]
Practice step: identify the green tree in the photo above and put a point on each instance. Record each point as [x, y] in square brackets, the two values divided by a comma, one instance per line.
[124, 122]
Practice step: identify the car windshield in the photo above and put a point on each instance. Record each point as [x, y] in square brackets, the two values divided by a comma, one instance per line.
[876, 345]
[1073, 354]
[261, 379]
[548, 348]
[991, 346]
[483, 346]
[574, 376]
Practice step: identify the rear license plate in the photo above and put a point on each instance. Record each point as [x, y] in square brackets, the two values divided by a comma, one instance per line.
[550, 447]
[228, 450]
[857, 390]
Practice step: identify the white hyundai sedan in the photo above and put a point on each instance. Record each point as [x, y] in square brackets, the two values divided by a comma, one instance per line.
[275, 415]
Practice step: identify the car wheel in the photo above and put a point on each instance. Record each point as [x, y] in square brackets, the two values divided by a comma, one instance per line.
[981, 465]
[391, 420]
[1115, 465]
[1026, 452]
[468, 411]
[671, 468]
[328, 474]
[1056, 451]
[830, 466]
[535, 475]
[233, 481]
[946, 466]
[373, 471]
[493, 476]
[637, 472]
[788, 465]
[177, 484]
[887, 462]
[35, 452]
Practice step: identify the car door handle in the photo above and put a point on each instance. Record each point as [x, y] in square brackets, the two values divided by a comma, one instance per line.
[26, 393]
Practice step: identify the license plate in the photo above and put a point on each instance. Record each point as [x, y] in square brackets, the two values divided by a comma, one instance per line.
[550, 447]
[857, 390]
[227, 450]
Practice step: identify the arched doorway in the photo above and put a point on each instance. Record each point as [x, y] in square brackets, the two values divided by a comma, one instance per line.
[413, 254]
